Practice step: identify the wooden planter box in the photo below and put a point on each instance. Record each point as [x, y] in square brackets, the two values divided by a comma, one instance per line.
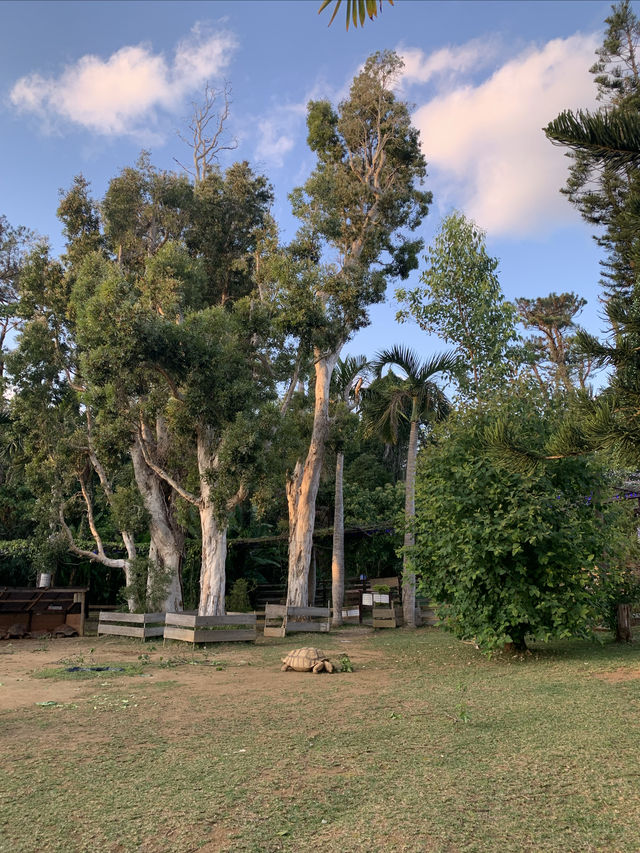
[191, 628]
[387, 617]
[295, 619]
[143, 626]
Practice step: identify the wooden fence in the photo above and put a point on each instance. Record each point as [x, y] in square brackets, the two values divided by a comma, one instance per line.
[295, 619]
[191, 628]
[140, 625]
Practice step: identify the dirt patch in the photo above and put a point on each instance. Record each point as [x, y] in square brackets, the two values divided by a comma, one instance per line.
[220, 677]
[620, 675]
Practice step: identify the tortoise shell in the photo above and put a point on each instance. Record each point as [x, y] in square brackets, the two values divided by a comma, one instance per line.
[304, 660]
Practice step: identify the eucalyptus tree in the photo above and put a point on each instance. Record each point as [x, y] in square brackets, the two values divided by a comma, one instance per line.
[193, 377]
[143, 211]
[356, 209]
[68, 465]
[15, 242]
[413, 398]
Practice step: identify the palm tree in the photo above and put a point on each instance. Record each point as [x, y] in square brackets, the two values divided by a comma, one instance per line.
[357, 10]
[414, 399]
[346, 383]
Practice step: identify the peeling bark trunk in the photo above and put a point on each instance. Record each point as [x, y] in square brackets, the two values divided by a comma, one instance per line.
[313, 578]
[166, 548]
[408, 573]
[302, 487]
[212, 572]
[214, 534]
[337, 557]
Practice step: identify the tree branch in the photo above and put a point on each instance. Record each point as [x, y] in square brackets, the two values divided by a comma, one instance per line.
[164, 475]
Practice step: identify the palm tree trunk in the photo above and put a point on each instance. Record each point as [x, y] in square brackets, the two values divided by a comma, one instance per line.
[337, 559]
[408, 573]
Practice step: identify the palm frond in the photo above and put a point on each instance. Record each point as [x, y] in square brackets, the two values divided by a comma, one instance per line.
[445, 362]
[357, 10]
[401, 356]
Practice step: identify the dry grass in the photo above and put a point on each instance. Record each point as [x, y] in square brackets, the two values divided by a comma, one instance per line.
[425, 746]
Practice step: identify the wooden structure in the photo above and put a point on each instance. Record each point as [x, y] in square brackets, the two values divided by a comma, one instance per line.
[387, 617]
[142, 626]
[275, 613]
[44, 609]
[295, 619]
[191, 628]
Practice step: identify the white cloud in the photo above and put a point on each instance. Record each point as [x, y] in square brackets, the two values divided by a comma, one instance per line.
[123, 94]
[485, 145]
[273, 145]
[449, 61]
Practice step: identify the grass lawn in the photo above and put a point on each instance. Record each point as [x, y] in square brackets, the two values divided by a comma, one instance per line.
[426, 746]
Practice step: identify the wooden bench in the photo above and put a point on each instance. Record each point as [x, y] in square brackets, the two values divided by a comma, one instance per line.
[142, 626]
[192, 628]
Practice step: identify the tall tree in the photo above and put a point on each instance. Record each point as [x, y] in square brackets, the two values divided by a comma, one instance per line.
[67, 464]
[14, 245]
[460, 299]
[556, 363]
[345, 390]
[361, 195]
[605, 195]
[415, 398]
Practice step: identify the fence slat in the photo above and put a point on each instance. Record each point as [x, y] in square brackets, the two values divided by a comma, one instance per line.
[124, 630]
[136, 618]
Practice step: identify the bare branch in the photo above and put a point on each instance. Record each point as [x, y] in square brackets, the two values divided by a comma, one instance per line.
[99, 557]
[164, 475]
[207, 128]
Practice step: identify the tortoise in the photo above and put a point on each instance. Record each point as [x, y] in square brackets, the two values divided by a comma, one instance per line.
[16, 632]
[307, 660]
[64, 630]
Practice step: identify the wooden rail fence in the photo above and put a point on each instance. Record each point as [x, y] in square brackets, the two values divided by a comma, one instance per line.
[191, 628]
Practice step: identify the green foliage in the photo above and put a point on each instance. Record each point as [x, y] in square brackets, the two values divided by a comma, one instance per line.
[345, 663]
[137, 589]
[382, 504]
[460, 299]
[361, 196]
[619, 585]
[237, 599]
[508, 554]
[357, 10]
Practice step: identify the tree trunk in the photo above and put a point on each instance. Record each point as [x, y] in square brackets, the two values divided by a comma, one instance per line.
[313, 577]
[164, 582]
[408, 573]
[212, 572]
[130, 545]
[337, 557]
[214, 534]
[302, 487]
[623, 624]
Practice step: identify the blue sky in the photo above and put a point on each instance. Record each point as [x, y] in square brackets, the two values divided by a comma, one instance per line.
[85, 86]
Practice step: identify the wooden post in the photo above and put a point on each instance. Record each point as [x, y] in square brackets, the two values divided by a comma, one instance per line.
[623, 624]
